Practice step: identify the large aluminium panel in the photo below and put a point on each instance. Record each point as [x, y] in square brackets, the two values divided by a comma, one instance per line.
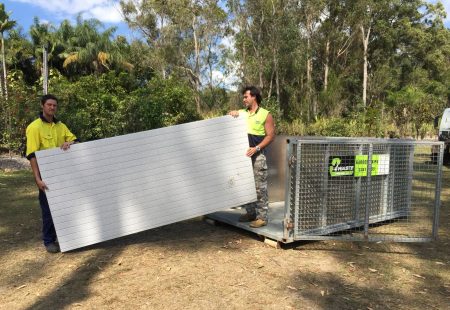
[104, 189]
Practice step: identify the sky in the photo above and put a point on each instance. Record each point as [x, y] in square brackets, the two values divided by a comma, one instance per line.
[107, 11]
[55, 11]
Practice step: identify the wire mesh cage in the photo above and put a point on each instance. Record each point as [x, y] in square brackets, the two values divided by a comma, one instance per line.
[366, 189]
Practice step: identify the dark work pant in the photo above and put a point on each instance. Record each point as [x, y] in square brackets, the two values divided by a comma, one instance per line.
[48, 229]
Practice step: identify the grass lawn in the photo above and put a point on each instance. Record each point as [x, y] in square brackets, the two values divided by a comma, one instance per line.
[192, 265]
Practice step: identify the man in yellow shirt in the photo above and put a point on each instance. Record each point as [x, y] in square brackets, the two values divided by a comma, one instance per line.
[47, 132]
[261, 132]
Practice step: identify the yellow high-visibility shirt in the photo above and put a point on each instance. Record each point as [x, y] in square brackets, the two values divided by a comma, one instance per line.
[255, 121]
[42, 135]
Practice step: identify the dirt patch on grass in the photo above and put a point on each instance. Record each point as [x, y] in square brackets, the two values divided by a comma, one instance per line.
[13, 163]
[193, 265]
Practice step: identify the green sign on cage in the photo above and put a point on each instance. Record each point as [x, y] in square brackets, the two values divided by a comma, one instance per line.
[357, 165]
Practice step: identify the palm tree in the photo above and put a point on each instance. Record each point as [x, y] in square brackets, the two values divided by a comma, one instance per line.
[90, 51]
[45, 43]
[5, 25]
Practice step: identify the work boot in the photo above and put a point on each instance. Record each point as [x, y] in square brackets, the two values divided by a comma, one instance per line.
[246, 217]
[258, 223]
[52, 248]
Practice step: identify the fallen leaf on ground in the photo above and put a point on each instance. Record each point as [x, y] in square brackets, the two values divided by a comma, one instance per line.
[419, 276]
[22, 286]
[373, 270]
[322, 293]
[440, 263]
[422, 292]
[291, 288]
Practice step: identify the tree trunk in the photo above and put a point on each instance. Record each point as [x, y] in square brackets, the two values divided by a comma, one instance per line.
[325, 74]
[2, 94]
[160, 44]
[260, 69]
[196, 66]
[6, 103]
[365, 41]
[5, 86]
[308, 77]
[277, 79]
[45, 71]
[269, 93]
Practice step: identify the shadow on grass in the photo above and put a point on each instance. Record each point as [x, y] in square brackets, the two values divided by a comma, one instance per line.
[20, 225]
[331, 291]
[74, 288]
[403, 275]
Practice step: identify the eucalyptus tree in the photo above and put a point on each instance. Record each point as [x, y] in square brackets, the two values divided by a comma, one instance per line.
[263, 42]
[182, 35]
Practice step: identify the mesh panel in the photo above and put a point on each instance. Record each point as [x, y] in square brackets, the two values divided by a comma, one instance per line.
[396, 201]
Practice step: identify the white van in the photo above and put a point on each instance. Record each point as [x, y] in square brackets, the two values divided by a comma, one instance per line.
[444, 126]
[444, 135]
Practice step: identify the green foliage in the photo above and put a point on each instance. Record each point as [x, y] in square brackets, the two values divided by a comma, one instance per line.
[293, 128]
[176, 100]
[332, 127]
[110, 105]
[22, 108]
[307, 57]
[92, 107]
[274, 109]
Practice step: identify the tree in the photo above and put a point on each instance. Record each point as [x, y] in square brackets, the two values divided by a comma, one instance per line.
[89, 51]
[182, 36]
[5, 25]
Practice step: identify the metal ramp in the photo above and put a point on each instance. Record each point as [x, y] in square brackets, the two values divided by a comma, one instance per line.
[273, 230]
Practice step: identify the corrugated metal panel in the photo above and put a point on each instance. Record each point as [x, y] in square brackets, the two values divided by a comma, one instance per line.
[104, 189]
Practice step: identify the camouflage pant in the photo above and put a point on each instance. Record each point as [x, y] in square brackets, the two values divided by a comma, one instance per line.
[261, 206]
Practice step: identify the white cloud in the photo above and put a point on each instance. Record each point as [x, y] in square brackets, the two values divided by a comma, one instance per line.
[104, 10]
[108, 14]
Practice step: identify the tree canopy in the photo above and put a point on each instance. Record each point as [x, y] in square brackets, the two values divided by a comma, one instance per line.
[325, 67]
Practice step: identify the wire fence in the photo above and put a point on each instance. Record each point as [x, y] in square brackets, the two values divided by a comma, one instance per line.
[363, 189]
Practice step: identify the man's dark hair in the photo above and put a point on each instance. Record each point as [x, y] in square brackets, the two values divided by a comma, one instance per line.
[46, 97]
[254, 92]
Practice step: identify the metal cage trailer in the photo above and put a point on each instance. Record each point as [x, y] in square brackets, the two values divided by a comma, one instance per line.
[320, 189]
